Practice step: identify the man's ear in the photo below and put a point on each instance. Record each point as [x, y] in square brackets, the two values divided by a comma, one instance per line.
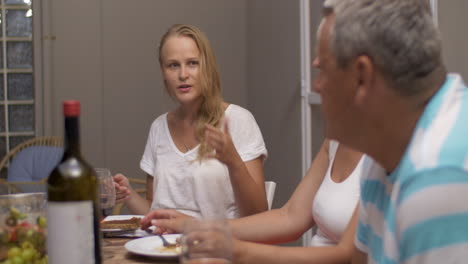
[365, 71]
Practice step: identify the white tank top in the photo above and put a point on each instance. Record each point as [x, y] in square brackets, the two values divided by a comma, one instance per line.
[334, 203]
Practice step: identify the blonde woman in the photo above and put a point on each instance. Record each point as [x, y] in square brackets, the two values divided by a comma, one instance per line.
[205, 157]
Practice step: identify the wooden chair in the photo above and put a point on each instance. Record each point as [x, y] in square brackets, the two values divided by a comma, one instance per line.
[30, 146]
[139, 185]
[7, 187]
[39, 141]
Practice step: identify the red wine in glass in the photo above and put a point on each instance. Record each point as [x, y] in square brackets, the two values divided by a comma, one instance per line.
[105, 211]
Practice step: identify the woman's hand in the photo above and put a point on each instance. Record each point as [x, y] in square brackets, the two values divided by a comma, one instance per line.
[166, 221]
[221, 142]
[247, 178]
[122, 188]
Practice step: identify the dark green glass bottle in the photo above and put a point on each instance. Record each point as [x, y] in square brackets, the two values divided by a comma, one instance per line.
[73, 205]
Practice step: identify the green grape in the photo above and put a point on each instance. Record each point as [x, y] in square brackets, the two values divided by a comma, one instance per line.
[28, 254]
[15, 213]
[26, 245]
[14, 252]
[41, 222]
[17, 260]
[25, 234]
[6, 262]
[30, 233]
[40, 261]
[37, 255]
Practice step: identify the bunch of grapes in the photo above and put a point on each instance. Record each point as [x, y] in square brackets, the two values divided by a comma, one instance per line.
[22, 242]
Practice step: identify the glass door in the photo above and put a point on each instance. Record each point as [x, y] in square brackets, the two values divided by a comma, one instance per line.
[17, 91]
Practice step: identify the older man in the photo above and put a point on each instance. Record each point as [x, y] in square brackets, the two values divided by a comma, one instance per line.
[385, 92]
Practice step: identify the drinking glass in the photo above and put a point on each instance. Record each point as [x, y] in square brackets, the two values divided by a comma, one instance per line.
[106, 189]
[206, 242]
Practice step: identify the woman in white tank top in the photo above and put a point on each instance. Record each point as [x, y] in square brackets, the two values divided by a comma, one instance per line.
[326, 198]
[335, 200]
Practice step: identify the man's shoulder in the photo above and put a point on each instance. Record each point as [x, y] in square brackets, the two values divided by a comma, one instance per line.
[433, 182]
[439, 138]
[431, 151]
[432, 199]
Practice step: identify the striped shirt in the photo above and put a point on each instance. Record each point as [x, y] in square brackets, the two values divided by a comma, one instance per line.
[419, 213]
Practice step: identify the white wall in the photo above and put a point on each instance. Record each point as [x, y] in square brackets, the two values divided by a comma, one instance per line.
[105, 55]
[273, 72]
[452, 23]
[132, 90]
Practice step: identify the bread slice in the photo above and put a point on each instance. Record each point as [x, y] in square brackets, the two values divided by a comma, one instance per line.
[132, 223]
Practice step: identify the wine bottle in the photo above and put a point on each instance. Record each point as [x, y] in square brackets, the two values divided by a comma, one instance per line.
[73, 207]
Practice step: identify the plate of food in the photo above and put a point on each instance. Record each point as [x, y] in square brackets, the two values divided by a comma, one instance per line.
[121, 224]
[152, 246]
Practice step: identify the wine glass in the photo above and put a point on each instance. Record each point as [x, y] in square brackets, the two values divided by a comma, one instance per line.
[206, 242]
[106, 190]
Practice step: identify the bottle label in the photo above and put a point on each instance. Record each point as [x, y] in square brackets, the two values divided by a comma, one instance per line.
[70, 234]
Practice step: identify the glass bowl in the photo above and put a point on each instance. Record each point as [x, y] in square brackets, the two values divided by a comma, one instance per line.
[32, 205]
[23, 229]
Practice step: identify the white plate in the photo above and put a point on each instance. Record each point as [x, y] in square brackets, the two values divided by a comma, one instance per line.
[151, 245]
[123, 232]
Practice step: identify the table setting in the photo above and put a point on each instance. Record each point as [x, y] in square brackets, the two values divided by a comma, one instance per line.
[138, 246]
[23, 220]
[123, 241]
[203, 241]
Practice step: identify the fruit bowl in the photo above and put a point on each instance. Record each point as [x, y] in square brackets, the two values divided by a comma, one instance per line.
[23, 228]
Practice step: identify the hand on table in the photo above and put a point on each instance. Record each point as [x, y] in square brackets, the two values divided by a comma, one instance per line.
[166, 221]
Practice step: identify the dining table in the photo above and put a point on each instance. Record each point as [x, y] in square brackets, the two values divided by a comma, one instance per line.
[114, 252]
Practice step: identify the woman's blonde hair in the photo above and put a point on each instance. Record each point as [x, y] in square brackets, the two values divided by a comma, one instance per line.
[211, 110]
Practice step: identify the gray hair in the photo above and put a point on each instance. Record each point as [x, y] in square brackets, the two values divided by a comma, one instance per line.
[398, 35]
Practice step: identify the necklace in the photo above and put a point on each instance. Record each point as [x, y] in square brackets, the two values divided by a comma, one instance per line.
[186, 148]
[179, 129]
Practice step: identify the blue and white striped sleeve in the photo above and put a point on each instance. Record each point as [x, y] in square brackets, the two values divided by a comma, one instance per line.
[432, 217]
[360, 240]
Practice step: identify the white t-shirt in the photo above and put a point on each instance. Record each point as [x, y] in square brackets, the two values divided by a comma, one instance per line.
[334, 203]
[194, 188]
